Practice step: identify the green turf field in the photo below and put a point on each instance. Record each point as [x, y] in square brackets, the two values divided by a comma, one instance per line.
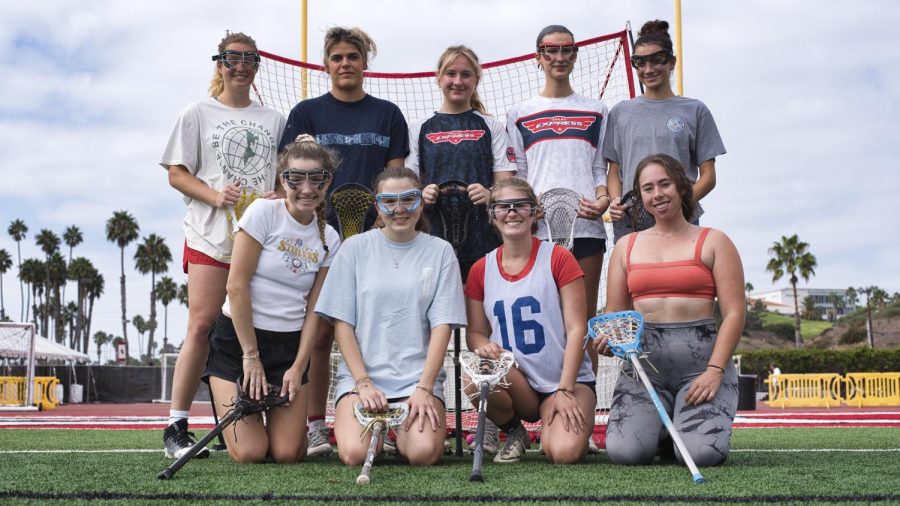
[809, 466]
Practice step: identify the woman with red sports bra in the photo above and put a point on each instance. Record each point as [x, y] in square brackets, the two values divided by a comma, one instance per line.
[673, 274]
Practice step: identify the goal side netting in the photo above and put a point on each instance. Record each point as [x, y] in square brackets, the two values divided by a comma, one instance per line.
[17, 354]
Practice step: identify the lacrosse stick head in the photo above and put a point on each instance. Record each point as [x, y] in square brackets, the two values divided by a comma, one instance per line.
[622, 331]
[636, 213]
[486, 370]
[245, 406]
[351, 203]
[394, 416]
[453, 207]
[560, 211]
[248, 195]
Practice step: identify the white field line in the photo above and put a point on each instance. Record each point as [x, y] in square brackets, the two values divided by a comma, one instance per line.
[736, 450]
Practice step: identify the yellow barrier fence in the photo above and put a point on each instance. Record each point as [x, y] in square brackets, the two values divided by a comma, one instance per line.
[12, 391]
[872, 389]
[831, 390]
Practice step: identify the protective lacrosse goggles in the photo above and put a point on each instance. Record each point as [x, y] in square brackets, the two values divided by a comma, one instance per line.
[550, 51]
[661, 57]
[232, 59]
[390, 203]
[293, 178]
[504, 207]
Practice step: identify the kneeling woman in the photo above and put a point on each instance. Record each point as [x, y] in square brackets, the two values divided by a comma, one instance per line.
[281, 255]
[394, 295]
[527, 296]
[672, 274]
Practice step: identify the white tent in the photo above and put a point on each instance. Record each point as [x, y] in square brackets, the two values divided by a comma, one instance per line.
[14, 346]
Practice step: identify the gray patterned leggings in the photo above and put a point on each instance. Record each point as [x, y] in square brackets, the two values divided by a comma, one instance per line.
[679, 353]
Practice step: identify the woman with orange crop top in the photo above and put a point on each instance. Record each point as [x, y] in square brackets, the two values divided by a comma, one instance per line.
[673, 274]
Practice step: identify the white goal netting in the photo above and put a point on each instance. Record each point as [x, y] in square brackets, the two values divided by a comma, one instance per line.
[602, 71]
[17, 354]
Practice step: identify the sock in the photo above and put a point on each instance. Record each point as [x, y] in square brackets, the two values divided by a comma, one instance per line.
[511, 425]
[175, 415]
[316, 423]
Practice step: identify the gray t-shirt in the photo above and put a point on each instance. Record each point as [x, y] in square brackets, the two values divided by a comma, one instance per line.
[680, 127]
[393, 294]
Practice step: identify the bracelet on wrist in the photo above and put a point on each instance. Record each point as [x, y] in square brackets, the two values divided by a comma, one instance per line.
[360, 381]
[717, 367]
[604, 196]
[250, 356]
[426, 389]
[566, 392]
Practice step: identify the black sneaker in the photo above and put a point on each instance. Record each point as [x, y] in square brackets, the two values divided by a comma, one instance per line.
[178, 441]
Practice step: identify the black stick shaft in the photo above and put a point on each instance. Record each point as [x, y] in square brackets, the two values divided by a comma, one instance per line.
[479, 435]
[170, 471]
[458, 385]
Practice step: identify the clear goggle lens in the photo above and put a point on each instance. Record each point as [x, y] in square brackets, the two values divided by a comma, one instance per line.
[390, 203]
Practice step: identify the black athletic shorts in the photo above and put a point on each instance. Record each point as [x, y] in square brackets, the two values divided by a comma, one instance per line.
[588, 246]
[277, 351]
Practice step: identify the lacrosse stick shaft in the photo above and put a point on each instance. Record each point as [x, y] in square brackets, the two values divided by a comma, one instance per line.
[458, 386]
[479, 434]
[363, 478]
[667, 421]
[170, 471]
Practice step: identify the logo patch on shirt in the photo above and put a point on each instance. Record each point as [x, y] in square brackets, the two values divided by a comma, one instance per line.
[297, 257]
[511, 154]
[455, 137]
[675, 125]
[559, 124]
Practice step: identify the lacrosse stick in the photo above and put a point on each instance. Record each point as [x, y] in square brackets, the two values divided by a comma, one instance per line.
[248, 195]
[560, 211]
[351, 203]
[622, 331]
[376, 423]
[636, 213]
[241, 407]
[486, 373]
[453, 208]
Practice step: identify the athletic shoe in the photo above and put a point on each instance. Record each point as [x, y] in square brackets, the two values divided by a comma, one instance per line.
[178, 441]
[592, 446]
[318, 442]
[516, 443]
[491, 439]
[388, 446]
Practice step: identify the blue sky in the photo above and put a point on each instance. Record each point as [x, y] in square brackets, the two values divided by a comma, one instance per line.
[805, 95]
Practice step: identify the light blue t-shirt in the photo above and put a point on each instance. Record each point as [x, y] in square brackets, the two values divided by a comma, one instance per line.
[393, 294]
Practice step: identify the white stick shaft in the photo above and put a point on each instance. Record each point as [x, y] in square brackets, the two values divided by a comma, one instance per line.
[479, 435]
[370, 454]
[670, 427]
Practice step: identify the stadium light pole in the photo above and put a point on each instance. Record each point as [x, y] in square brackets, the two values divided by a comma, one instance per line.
[679, 62]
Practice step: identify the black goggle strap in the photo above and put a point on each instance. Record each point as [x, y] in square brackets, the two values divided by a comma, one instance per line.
[288, 174]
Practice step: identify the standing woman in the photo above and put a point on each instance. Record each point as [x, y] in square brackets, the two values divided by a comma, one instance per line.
[556, 136]
[222, 152]
[460, 141]
[658, 122]
[527, 296]
[673, 273]
[394, 294]
[264, 334]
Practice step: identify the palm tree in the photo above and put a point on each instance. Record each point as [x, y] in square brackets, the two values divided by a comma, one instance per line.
[791, 256]
[837, 304]
[5, 265]
[17, 230]
[57, 273]
[49, 244]
[183, 294]
[69, 317]
[32, 273]
[166, 290]
[140, 324]
[101, 339]
[852, 298]
[72, 236]
[810, 311]
[93, 291]
[81, 270]
[122, 229]
[152, 256]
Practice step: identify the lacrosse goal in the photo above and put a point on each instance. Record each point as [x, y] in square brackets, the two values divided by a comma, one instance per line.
[17, 348]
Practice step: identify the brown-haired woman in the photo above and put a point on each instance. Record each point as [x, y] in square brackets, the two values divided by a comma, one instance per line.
[221, 155]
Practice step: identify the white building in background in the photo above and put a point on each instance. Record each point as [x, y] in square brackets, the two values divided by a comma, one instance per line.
[781, 300]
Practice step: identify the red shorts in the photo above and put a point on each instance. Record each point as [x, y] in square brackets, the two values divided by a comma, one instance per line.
[192, 256]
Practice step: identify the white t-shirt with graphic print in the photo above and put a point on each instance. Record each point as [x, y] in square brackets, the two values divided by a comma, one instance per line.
[291, 255]
[221, 145]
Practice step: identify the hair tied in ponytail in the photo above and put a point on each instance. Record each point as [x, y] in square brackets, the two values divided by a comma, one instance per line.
[305, 138]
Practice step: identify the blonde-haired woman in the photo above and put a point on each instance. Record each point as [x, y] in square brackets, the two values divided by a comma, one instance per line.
[221, 154]
[460, 141]
[264, 335]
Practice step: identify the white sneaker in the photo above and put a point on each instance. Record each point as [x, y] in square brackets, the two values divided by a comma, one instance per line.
[388, 446]
[318, 442]
[491, 438]
[514, 450]
[592, 446]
